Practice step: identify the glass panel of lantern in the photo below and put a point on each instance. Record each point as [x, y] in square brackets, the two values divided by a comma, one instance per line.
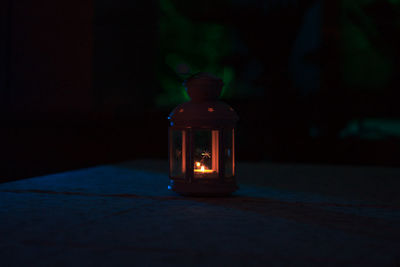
[206, 156]
[229, 152]
[178, 153]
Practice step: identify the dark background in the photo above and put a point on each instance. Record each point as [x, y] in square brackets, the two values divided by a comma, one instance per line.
[92, 82]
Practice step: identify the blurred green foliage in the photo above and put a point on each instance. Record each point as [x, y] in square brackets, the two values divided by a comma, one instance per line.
[187, 47]
[366, 63]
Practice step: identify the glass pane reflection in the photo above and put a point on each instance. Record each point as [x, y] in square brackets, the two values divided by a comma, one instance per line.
[206, 154]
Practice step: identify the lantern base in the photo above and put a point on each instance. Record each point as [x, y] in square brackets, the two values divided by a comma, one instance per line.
[203, 190]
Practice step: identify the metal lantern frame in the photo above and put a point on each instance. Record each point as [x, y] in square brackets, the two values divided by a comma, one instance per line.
[203, 114]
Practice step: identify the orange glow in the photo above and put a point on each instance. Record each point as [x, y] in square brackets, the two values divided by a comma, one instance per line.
[183, 151]
[211, 110]
[215, 149]
[201, 168]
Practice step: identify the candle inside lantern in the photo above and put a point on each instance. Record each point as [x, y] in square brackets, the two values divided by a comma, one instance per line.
[200, 168]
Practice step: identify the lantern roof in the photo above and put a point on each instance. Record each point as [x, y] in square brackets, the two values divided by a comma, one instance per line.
[204, 109]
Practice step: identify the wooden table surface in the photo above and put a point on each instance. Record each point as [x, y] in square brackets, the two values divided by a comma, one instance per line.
[123, 215]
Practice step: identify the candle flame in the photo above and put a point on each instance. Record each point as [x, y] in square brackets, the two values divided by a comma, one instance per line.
[200, 168]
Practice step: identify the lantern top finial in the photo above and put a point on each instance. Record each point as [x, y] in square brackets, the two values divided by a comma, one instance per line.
[204, 110]
[204, 86]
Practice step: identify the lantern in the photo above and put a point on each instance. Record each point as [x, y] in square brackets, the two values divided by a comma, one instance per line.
[202, 141]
